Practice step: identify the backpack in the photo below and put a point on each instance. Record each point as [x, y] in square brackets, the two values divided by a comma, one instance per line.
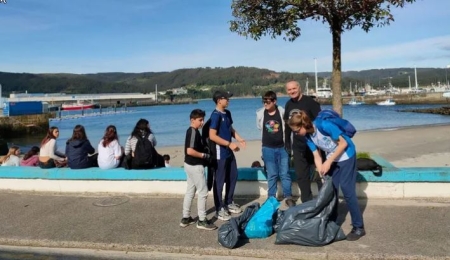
[143, 153]
[210, 146]
[330, 115]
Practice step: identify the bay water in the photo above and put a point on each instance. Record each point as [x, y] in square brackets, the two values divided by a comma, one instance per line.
[169, 122]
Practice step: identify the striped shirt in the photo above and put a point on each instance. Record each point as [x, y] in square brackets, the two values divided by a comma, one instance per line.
[130, 145]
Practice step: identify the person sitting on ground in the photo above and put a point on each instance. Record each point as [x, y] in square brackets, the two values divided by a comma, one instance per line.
[12, 157]
[166, 160]
[110, 152]
[340, 162]
[49, 156]
[194, 162]
[143, 133]
[79, 151]
[31, 158]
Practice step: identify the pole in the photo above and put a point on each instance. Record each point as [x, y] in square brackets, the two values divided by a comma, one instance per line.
[448, 67]
[415, 75]
[156, 93]
[409, 79]
[315, 69]
[307, 89]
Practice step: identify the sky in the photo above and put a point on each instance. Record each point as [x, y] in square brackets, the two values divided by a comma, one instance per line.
[90, 36]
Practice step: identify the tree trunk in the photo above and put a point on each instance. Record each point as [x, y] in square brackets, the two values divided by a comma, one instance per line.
[336, 74]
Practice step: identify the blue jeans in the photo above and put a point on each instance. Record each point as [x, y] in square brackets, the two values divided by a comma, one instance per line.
[344, 176]
[276, 161]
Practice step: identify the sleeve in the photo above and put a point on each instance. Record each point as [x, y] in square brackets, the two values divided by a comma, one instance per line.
[89, 148]
[258, 120]
[116, 148]
[52, 155]
[190, 138]
[215, 119]
[331, 130]
[128, 146]
[152, 139]
[312, 146]
[315, 109]
[286, 112]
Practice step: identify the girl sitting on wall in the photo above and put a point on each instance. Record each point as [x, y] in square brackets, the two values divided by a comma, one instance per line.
[79, 151]
[109, 150]
[12, 157]
[49, 156]
[31, 158]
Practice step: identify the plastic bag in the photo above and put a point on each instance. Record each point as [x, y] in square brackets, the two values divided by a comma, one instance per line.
[260, 225]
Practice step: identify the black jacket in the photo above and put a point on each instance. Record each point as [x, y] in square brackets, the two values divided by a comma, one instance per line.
[77, 154]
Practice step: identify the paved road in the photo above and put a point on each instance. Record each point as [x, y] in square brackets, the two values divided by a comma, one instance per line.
[396, 229]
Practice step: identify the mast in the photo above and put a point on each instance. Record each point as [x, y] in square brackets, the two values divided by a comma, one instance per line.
[315, 69]
[156, 93]
[415, 75]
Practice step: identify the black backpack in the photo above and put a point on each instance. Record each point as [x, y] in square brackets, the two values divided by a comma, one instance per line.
[144, 153]
[209, 146]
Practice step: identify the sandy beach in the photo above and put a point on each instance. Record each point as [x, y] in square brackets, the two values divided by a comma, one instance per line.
[424, 146]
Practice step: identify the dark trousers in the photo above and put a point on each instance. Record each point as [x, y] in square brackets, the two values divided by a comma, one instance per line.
[303, 162]
[344, 176]
[226, 173]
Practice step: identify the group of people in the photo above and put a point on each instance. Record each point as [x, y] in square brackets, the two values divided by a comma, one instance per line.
[286, 132]
[139, 151]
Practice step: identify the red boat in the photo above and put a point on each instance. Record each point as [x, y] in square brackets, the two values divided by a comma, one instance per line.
[79, 105]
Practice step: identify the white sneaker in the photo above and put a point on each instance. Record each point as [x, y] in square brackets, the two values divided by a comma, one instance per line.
[234, 208]
[223, 215]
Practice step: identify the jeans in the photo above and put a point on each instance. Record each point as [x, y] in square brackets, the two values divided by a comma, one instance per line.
[276, 161]
[344, 176]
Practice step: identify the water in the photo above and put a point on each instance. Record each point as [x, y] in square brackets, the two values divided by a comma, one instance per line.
[169, 123]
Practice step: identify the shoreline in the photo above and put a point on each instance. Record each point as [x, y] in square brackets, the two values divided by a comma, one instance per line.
[407, 146]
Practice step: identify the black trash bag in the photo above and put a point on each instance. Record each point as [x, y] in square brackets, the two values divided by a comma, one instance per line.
[366, 164]
[230, 232]
[311, 223]
[277, 219]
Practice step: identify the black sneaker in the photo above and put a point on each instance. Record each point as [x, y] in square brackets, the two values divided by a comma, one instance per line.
[356, 234]
[187, 221]
[206, 225]
[290, 202]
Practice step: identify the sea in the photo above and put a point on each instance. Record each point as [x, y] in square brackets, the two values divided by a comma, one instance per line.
[169, 122]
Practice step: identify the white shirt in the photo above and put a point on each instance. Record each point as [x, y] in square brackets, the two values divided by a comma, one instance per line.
[49, 149]
[12, 161]
[107, 155]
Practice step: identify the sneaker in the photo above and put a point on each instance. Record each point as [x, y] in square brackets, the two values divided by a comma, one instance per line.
[356, 234]
[223, 215]
[290, 202]
[187, 221]
[206, 225]
[234, 208]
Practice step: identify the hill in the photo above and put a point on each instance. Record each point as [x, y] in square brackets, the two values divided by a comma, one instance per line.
[200, 81]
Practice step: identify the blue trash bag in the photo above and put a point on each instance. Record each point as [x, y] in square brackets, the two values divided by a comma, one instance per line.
[260, 225]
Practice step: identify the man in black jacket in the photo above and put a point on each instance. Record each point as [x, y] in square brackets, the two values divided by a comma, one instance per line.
[303, 158]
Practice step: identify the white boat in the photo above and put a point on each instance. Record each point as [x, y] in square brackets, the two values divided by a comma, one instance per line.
[387, 102]
[446, 95]
[354, 102]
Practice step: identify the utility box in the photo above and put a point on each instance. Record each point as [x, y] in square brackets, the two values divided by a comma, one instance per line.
[22, 108]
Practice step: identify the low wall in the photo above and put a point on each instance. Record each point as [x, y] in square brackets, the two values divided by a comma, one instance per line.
[394, 183]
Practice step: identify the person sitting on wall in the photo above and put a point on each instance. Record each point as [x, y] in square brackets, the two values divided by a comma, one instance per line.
[110, 153]
[31, 158]
[12, 157]
[79, 151]
[3, 147]
[49, 156]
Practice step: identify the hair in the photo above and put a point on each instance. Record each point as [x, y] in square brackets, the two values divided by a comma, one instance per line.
[270, 95]
[33, 151]
[49, 135]
[78, 133]
[12, 151]
[301, 119]
[141, 128]
[256, 164]
[110, 135]
[197, 113]
[166, 157]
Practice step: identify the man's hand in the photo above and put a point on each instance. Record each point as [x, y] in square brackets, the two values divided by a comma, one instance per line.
[242, 142]
[325, 167]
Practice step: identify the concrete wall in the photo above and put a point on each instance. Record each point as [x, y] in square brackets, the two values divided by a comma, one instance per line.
[14, 126]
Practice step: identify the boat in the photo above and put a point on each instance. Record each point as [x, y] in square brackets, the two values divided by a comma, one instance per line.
[387, 102]
[446, 95]
[354, 102]
[79, 105]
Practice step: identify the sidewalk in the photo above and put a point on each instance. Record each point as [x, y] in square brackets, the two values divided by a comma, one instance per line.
[396, 229]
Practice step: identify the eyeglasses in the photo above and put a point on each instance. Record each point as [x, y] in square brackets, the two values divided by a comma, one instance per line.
[267, 101]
